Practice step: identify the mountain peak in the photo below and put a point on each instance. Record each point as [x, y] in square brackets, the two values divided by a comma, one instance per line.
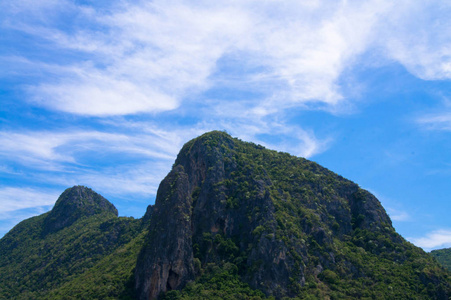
[229, 200]
[213, 139]
[73, 204]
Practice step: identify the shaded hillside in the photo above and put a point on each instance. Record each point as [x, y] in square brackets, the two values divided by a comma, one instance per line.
[233, 212]
[443, 256]
[55, 249]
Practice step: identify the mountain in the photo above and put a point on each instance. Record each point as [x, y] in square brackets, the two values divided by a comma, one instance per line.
[73, 204]
[443, 256]
[231, 220]
[80, 241]
[232, 212]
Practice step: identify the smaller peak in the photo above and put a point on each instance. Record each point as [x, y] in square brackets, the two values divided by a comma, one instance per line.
[74, 203]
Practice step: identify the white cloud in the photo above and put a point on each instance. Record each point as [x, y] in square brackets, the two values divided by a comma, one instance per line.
[417, 34]
[18, 204]
[155, 56]
[266, 129]
[131, 161]
[397, 215]
[134, 179]
[13, 198]
[147, 56]
[48, 150]
[34, 143]
[434, 240]
[293, 140]
[101, 97]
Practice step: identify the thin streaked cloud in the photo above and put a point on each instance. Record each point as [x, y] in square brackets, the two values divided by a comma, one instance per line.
[44, 148]
[149, 55]
[440, 121]
[399, 216]
[13, 198]
[436, 239]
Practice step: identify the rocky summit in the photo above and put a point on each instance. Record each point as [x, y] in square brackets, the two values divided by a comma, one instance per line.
[74, 203]
[231, 220]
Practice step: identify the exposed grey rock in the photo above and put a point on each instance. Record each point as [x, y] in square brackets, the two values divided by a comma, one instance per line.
[166, 261]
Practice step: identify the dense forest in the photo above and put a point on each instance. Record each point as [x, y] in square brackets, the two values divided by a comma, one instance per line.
[443, 256]
[91, 258]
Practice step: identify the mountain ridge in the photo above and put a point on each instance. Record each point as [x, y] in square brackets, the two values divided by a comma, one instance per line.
[232, 220]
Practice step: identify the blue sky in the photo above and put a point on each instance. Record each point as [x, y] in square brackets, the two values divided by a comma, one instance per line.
[105, 94]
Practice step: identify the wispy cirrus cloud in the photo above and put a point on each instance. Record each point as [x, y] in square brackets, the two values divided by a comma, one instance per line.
[132, 158]
[139, 181]
[150, 57]
[47, 149]
[129, 58]
[17, 204]
[440, 121]
[14, 198]
[146, 56]
[116, 163]
[291, 139]
[397, 215]
[437, 120]
[420, 38]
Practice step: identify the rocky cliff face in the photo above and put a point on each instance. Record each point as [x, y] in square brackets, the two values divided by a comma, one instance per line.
[278, 218]
[168, 255]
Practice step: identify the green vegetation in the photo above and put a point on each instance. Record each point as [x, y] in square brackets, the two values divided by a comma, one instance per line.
[443, 256]
[265, 225]
[217, 283]
[347, 250]
[110, 278]
[101, 247]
